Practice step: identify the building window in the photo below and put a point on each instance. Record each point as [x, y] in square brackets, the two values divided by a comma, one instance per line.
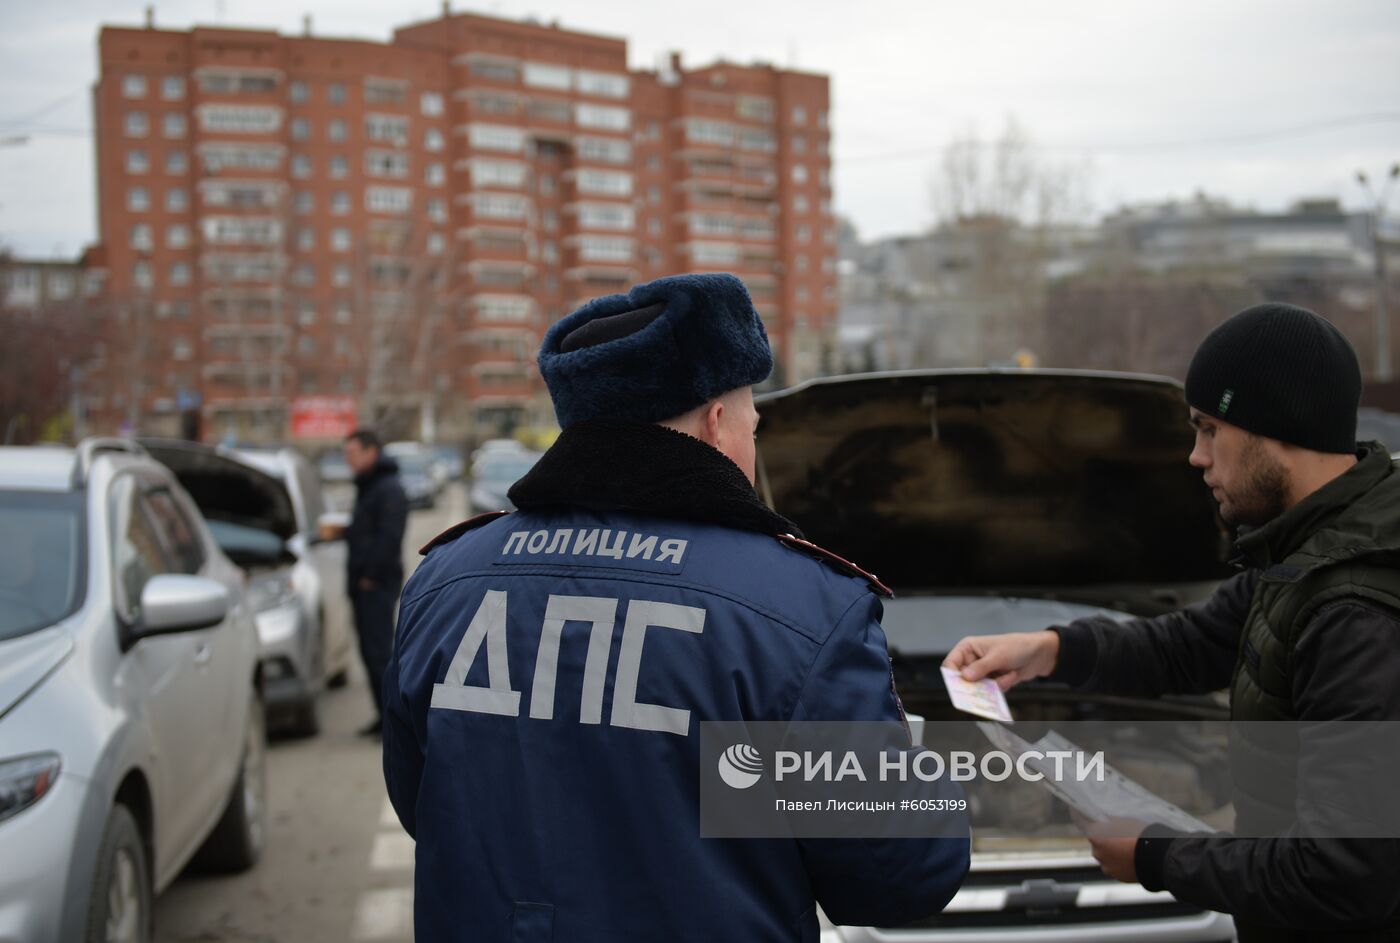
[804, 233]
[606, 216]
[138, 199]
[437, 210]
[607, 182]
[603, 150]
[304, 274]
[495, 137]
[757, 139]
[336, 130]
[431, 103]
[604, 249]
[136, 162]
[706, 131]
[340, 239]
[181, 349]
[501, 206]
[136, 125]
[340, 275]
[390, 128]
[174, 125]
[335, 94]
[305, 201]
[653, 194]
[385, 91]
[654, 162]
[175, 200]
[602, 84]
[386, 163]
[301, 129]
[306, 345]
[547, 185]
[437, 243]
[172, 88]
[714, 253]
[297, 92]
[340, 203]
[177, 236]
[388, 199]
[340, 167]
[342, 312]
[799, 173]
[799, 204]
[141, 275]
[306, 239]
[301, 165]
[754, 107]
[544, 75]
[801, 263]
[436, 175]
[602, 116]
[134, 86]
[240, 119]
[799, 115]
[654, 227]
[799, 144]
[432, 140]
[176, 162]
[180, 274]
[141, 237]
[497, 70]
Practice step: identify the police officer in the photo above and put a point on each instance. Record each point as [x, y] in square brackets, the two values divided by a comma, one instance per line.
[551, 666]
[1308, 633]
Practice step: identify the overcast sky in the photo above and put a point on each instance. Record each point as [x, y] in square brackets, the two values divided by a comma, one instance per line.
[1257, 101]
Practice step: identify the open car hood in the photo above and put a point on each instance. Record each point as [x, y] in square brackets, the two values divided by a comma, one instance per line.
[982, 480]
[227, 488]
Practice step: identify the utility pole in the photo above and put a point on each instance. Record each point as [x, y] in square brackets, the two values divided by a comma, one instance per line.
[1384, 370]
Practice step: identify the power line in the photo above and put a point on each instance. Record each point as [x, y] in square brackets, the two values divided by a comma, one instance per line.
[1254, 137]
[36, 115]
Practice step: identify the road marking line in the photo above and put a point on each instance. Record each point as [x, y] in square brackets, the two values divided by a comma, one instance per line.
[383, 914]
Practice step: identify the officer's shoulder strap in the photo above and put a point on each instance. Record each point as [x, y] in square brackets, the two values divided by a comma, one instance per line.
[457, 530]
[838, 562]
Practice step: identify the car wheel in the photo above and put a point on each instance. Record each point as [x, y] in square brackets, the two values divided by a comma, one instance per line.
[237, 841]
[119, 910]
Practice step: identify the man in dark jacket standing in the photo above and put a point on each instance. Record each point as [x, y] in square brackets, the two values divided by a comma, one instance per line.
[1307, 634]
[374, 560]
[552, 666]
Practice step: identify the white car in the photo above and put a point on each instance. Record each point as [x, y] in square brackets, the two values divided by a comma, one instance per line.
[266, 510]
[131, 721]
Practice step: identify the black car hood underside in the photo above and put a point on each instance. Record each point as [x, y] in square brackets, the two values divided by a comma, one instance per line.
[974, 480]
[226, 488]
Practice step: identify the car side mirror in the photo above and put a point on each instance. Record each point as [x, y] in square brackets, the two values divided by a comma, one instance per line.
[331, 526]
[175, 602]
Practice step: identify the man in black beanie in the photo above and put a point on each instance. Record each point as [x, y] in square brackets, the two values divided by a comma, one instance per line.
[552, 780]
[1308, 633]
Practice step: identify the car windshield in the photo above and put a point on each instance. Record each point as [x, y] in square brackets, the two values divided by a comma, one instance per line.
[247, 546]
[415, 464]
[42, 559]
[505, 469]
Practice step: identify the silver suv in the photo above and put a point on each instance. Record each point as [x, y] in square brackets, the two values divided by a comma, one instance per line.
[131, 729]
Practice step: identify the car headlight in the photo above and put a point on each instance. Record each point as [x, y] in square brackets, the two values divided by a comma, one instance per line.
[26, 780]
[271, 590]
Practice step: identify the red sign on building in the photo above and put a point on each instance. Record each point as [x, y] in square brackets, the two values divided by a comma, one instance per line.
[323, 417]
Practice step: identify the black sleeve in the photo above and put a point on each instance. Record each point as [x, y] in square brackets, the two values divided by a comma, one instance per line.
[1188, 652]
[390, 520]
[1346, 668]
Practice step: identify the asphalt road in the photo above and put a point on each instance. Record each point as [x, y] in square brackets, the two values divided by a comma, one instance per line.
[337, 866]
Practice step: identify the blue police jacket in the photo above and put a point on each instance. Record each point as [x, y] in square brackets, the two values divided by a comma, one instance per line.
[550, 669]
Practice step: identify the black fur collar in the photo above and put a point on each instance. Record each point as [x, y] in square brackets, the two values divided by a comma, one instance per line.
[602, 465]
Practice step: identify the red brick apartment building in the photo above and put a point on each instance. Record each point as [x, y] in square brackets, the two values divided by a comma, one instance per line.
[292, 216]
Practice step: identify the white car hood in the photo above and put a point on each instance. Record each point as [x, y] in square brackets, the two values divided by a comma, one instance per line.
[26, 661]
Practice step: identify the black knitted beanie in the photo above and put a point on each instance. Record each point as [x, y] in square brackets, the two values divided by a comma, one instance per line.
[1282, 372]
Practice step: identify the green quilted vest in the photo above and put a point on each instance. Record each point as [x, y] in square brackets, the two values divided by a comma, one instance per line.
[1341, 542]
